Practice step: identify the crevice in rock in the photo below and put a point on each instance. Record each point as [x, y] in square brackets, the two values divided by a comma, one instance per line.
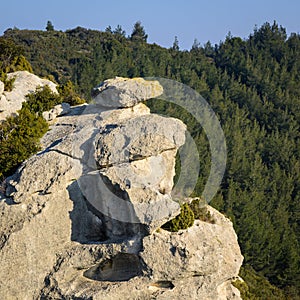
[51, 288]
[3, 240]
[65, 124]
[163, 284]
[87, 227]
[133, 158]
[121, 267]
[62, 153]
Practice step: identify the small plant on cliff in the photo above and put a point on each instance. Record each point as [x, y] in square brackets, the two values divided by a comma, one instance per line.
[8, 83]
[19, 138]
[197, 209]
[42, 100]
[183, 221]
[201, 211]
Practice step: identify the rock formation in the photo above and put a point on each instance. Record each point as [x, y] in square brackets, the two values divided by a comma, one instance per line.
[125, 92]
[81, 219]
[24, 83]
[57, 111]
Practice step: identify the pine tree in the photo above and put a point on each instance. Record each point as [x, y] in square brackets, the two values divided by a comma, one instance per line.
[119, 31]
[196, 45]
[138, 32]
[108, 29]
[49, 26]
[175, 46]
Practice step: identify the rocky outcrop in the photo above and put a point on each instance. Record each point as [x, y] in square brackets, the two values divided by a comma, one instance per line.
[81, 219]
[125, 92]
[57, 111]
[24, 83]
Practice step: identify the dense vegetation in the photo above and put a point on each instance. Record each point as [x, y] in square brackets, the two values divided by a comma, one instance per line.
[19, 139]
[20, 133]
[11, 60]
[253, 86]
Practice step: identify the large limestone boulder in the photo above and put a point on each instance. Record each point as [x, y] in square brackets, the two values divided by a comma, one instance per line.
[80, 218]
[25, 83]
[198, 263]
[125, 92]
[139, 138]
[137, 157]
[185, 258]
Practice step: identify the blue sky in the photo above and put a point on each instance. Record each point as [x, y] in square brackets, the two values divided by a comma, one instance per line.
[162, 19]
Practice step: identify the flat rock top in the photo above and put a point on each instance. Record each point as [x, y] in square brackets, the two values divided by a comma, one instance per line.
[126, 92]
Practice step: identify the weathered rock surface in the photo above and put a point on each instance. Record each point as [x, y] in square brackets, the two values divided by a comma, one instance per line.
[79, 219]
[56, 111]
[139, 138]
[199, 263]
[186, 257]
[25, 83]
[1, 87]
[125, 92]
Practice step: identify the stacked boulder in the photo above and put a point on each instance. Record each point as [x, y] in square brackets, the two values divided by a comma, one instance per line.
[81, 219]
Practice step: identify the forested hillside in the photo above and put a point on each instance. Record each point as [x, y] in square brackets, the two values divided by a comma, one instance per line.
[254, 87]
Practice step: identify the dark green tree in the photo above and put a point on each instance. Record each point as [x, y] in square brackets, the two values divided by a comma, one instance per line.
[175, 45]
[196, 45]
[119, 31]
[108, 29]
[19, 138]
[138, 32]
[49, 26]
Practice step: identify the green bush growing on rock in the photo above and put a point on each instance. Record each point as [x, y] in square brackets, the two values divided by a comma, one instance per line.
[183, 221]
[8, 83]
[197, 209]
[20, 63]
[201, 211]
[42, 100]
[20, 134]
[19, 139]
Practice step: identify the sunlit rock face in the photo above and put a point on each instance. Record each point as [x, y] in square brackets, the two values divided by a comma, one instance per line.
[24, 84]
[81, 218]
[125, 92]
